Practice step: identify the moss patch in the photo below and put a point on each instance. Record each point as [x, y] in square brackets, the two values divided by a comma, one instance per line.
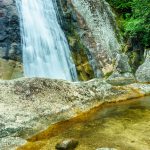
[78, 49]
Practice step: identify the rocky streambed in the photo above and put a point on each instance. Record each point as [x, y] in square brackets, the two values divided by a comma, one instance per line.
[120, 126]
[30, 105]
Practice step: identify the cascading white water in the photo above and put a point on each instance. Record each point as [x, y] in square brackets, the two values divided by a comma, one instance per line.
[45, 49]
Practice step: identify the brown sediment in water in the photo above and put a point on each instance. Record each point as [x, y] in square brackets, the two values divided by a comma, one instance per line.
[124, 125]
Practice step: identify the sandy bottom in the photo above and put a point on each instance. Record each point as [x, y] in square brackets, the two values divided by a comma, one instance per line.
[124, 126]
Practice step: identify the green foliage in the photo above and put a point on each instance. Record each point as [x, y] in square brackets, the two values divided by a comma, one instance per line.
[121, 5]
[136, 18]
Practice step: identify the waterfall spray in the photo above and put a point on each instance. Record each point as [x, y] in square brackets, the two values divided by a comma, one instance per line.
[45, 49]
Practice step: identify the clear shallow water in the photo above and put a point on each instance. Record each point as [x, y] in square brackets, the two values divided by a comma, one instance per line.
[45, 49]
[124, 126]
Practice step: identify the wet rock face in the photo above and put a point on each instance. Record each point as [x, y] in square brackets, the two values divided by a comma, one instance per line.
[10, 33]
[93, 24]
[70, 24]
[10, 43]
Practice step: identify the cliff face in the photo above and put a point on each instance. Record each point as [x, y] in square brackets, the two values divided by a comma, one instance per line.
[100, 21]
[93, 24]
[9, 33]
[90, 28]
[10, 47]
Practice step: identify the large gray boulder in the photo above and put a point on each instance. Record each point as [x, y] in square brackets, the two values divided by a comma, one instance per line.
[143, 72]
[30, 105]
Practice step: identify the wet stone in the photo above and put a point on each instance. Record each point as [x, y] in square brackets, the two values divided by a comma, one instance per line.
[69, 144]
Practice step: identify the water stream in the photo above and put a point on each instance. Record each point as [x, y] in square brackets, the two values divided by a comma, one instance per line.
[45, 49]
[124, 126]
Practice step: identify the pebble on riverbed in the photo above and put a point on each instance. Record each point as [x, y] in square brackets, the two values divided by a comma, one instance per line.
[69, 144]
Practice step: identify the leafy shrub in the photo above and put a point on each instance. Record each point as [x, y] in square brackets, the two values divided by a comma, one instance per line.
[136, 18]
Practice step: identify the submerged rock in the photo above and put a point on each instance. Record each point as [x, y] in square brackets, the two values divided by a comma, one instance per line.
[69, 144]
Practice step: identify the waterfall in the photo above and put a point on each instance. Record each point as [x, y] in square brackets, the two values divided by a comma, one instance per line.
[45, 49]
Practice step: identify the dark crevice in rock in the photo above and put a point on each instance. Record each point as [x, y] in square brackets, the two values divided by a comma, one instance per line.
[69, 21]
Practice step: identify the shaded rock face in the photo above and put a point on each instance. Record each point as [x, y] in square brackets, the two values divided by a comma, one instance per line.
[10, 43]
[135, 51]
[93, 24]
[69, 21]
[10, 33]
[143, 72]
